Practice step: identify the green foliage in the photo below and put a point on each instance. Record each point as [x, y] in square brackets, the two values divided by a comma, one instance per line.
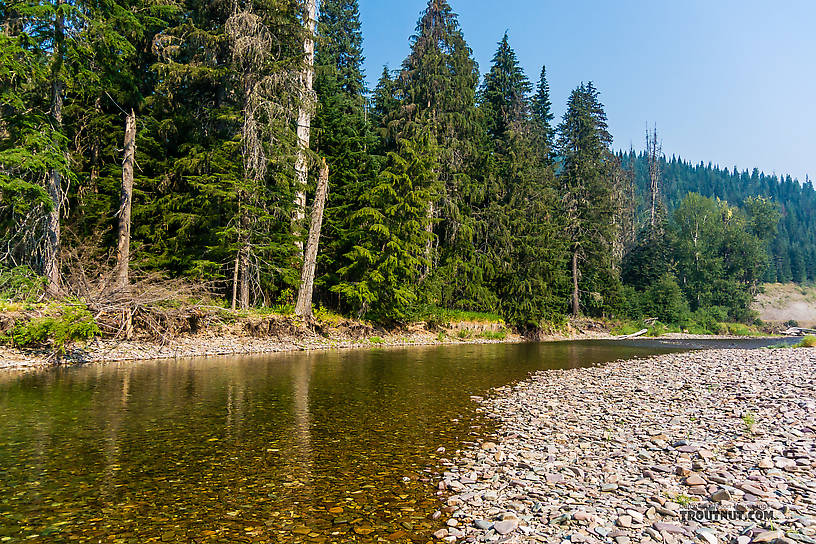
[392, 233]
[63, 326]
[21, 284]
[789, 240]
[494, 335]
[587, 174]
[749, 419]
[807, 342]
[443, 193]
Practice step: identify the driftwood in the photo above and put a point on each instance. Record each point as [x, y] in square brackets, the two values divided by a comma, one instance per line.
[628, 336]
[798, 331]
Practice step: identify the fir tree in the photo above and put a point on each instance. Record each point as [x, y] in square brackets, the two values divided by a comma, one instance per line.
[437, 91]
[589, 200]
[504, 93]
[542, 112]
[392, 234]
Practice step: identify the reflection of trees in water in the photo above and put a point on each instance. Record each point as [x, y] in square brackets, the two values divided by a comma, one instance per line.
[301, 378]
[111, 411]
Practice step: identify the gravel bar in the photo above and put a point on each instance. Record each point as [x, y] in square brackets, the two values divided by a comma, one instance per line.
[703, 447]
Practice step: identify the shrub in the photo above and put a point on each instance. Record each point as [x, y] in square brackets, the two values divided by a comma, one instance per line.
[807, 342]
[21, 284]
[376, 340]
[494, 335]
[70, 324]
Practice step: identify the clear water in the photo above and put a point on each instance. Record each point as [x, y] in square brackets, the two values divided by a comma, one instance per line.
[305, 447]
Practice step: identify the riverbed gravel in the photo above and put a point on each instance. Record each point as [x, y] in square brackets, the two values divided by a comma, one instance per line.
[704, 447]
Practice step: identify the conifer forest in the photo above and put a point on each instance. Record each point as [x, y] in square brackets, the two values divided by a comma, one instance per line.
[235, 144]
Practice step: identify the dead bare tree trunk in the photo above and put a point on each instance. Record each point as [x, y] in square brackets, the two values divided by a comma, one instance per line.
[126, 204]
[304, 126]
[52, 238]
[654, 151]
[303, 308]
[576, 299]
[245, 274]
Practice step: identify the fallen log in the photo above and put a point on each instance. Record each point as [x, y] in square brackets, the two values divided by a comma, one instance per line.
[628, 336]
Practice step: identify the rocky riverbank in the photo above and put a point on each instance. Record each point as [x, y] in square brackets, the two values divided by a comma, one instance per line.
[282, 339]
[709, 447]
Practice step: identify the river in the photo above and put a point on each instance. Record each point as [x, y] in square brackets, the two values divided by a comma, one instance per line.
[305, 447]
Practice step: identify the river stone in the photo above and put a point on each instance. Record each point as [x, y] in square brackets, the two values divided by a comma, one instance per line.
[695, 479]
[768, 536]
[707, 535]
[506, 526]
[624, 521]
[482, 524]
[668, 527]
[721, 495]
[440, 534]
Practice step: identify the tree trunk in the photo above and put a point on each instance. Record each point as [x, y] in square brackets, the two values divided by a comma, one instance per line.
[235, 276]
[52, 237]
[126, 204]
[245, 272]
[304, 301]
[576, 299]
[305, 118]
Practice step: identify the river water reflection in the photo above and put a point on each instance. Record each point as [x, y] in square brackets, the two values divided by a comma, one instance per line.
[304, 447]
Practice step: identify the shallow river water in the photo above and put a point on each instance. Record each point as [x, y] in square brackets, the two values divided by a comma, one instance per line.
[303, 447]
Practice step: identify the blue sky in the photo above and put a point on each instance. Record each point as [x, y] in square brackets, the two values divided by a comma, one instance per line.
[727, 81]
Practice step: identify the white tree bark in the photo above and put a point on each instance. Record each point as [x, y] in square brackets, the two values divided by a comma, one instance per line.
[303, 308]
[304, 128]
[126, 204]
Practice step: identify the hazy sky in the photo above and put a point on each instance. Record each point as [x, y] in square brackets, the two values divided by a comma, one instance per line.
[727, 81]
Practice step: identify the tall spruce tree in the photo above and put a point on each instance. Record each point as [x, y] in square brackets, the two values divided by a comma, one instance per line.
[437, 90]
[542, 113]
[520, 220]
[587, 187]
[504, 93]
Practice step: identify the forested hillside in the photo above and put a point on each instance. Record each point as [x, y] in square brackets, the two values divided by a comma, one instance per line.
[793, 250]
[234, 145]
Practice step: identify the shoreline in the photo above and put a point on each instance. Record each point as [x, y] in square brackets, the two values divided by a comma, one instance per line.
[293, 338]
[637, 451]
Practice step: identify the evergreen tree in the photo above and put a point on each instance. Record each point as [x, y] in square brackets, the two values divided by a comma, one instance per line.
[384, 104]
[437, 91]
[392, 234]
[341, 132]
[589, 200]
[542, 112]
[504, 93]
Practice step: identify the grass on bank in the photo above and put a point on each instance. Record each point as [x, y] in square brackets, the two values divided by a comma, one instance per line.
[808, 341]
